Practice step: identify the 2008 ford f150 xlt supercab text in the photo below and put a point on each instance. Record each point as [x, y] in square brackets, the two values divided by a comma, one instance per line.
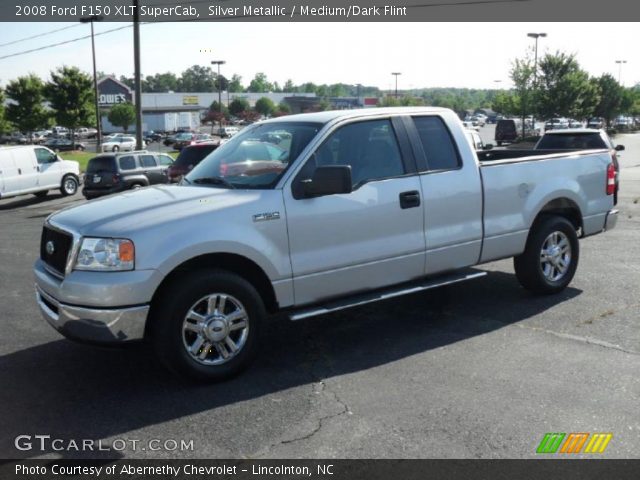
[308, 214]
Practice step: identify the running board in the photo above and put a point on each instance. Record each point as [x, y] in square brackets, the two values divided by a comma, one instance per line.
[378, 295]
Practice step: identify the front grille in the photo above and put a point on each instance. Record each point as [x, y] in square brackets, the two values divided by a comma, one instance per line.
[61, 243]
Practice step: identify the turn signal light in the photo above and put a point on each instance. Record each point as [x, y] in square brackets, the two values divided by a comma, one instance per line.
[125, 252]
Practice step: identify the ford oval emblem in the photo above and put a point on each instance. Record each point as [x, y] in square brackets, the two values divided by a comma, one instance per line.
[50, 247]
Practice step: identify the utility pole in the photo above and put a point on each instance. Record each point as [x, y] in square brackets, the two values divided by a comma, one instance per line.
[91, 19]
[218, 63]
[136, 67]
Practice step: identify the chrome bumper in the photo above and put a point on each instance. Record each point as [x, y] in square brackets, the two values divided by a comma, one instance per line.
[92, 325]
[611, 219]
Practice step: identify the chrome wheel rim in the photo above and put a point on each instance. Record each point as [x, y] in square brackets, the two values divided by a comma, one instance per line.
[555, 256]
[70, 186]
[215, 329]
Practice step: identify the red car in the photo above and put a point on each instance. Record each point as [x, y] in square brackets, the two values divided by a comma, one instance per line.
[189, 157]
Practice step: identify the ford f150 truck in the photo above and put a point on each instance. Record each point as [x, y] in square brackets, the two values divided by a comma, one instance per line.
[348, 207]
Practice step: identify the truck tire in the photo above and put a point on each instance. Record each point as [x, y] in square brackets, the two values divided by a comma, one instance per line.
[208, 327]
[69, 185]
[551, 256]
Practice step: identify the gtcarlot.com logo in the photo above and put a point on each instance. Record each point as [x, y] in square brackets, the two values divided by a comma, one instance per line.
[574, 442]
[47, 443]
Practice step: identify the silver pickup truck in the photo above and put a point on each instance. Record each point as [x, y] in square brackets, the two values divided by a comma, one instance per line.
[308, 214]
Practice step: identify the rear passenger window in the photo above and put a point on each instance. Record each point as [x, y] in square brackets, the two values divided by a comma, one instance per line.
[127, 163]
[147, 161]
[437, 143]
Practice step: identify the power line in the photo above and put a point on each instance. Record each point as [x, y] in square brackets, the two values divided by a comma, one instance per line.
[39, 35]
[77, 39]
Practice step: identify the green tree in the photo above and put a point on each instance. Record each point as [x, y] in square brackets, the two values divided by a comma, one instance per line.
[197, 79]
[122, 115]
[611, 96]
[160, 83]
[217, 114]
[284, 108]
[71, 96]
[5, 125]
[260, 84]
[564, 88]
[523, 75]
[221, 83]
[238, 105]
[506, 103]
[389, 101]
[26, 111]
[235, 85]
[265, 106]
[288, 86]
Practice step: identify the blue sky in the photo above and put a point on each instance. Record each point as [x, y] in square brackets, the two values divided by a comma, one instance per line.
[428, 54]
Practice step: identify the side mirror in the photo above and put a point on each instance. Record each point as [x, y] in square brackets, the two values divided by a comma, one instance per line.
[488, 146]
[328, 180]
[619, 148]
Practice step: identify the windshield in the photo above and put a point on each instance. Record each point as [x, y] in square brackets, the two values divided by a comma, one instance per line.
[256, 157]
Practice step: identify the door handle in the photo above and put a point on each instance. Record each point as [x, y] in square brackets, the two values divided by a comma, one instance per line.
[410, 199]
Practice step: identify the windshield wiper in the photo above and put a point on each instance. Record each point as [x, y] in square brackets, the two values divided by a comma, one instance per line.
[184, 179]
[213, 181]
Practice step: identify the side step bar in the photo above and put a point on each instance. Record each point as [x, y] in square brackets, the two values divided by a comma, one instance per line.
[378, 295]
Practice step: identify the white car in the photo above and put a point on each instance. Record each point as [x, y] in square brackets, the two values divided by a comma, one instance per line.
[121, 144]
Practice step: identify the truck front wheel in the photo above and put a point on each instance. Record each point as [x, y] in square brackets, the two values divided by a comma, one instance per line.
[550, 259]
[207, 325]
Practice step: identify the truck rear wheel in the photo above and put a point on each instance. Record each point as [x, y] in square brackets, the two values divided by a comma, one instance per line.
[550, 259]
[207, 325]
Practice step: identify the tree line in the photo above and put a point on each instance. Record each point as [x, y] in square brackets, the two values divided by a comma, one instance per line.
[558, 87]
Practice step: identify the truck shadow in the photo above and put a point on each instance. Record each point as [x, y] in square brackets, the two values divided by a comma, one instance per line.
[78, 392]
[28, 200]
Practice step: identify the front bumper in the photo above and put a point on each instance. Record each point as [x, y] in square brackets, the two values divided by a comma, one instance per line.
[92, 325]
[611, 219]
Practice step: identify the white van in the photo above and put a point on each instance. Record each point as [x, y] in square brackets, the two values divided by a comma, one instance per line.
[35, 169]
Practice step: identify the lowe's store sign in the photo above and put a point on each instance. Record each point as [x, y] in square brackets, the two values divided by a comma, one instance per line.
[112, 92]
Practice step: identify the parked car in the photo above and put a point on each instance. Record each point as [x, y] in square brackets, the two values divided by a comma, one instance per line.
[470, 126]
[64, 145]
[575, 124]
[556, 124]
[36, 170]
[120, 144]
[510, 131]
[596, 123]
[152, 136]
[84, 132]
[15, 138]
[189, 157]
[185, 139]
[337, 221]
[583, 139]
[227, 132]
[112, 173]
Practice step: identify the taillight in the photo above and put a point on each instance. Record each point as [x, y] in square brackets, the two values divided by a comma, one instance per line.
[611, 179]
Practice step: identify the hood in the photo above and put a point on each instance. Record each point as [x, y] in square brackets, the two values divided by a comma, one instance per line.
[125, 213]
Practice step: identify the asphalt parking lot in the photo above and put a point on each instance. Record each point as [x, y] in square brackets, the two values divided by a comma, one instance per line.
[475, 370]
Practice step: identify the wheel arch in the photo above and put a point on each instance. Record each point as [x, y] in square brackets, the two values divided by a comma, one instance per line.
[563, 207]
[231, 262]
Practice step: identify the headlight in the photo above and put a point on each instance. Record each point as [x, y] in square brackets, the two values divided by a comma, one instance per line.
[105, 254]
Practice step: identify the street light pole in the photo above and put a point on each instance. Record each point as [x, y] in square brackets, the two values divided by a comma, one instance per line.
[218, 63]
[91, 19]
[620, 62]
[395, 74]
[535, 72]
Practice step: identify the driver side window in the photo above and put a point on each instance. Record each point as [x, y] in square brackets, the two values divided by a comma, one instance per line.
[369, 147]
[45, 156]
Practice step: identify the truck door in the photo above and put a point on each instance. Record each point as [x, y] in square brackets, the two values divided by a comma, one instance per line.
[452, 192]
[369, 238]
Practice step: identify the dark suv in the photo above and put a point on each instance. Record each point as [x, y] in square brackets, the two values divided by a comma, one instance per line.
[117, 172]
[189, 157]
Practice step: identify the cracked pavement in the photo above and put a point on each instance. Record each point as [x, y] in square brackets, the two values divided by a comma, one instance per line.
[475, 370]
